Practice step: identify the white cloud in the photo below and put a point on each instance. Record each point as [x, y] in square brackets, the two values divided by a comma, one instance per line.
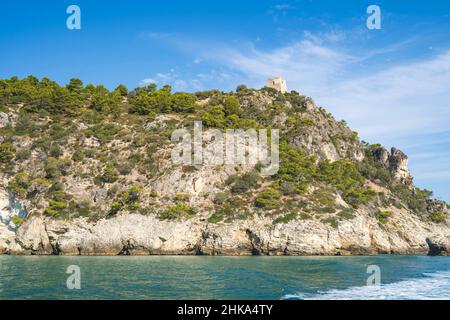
[147, 81]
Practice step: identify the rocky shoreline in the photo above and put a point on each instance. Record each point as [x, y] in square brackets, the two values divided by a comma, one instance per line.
[135, 234]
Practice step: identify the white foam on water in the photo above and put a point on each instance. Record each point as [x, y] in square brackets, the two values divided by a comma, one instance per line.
[432, 286]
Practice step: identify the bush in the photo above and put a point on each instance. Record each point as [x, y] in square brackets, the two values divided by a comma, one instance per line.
[214, 117]
[7, 152]
[180, 210]
[286, 218]
[344, 176]
[220, 198]
[296, 171]
[78, 155]
[268, 199]
[55, 168]
[183, 102]
[438, 217]
[182, 197]
[124, 168]
[243, 183]
[103, 132]
[110, 174]
[383, 215]
[215, 218]
[230, 211]
[121, 90]
[232, 106]
[56, 208]
[55, 151]
[19, 184]
[346, 214]
[23, 154]
[127, 200]
[332, 221]
[241, 88]
[146, 103]
[17, 220]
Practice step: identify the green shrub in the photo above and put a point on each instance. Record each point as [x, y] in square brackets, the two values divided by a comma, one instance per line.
[324, 197]
[180, 210]
[344, 176]
[215, 218]
[23, 154]
[332, 221]
[19, 184]
[124, 168]
[214, 117]
[438, 217]
[104, 132]
[183, 102]
[55, 168]
[346, 214]
[153, 194]
[82, 209]
[121, 90]
[383, 215]
[55, 151]
[230, 211]
[241, 184]
[78, 154]
[221, 197]
[286, 218]
[110, 174]
[415, 200]
[232, 106]
[182, 197]
[7, 152]
[127, 200]
[268, 199]
[56, 208]
[372, 169]
[17, 220]
[296, 171]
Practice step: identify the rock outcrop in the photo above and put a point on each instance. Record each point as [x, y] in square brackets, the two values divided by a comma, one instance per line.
[397, 163]
[4, 120]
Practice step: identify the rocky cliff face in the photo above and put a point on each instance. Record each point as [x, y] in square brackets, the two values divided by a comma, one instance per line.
[94, 183]
[134, 234]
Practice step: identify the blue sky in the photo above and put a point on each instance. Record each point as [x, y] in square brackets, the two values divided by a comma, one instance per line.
[391, 85]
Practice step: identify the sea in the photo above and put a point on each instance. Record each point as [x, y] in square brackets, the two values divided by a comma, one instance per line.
[217, 277]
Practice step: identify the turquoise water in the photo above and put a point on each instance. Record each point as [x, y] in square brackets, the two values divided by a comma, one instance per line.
[203, 277]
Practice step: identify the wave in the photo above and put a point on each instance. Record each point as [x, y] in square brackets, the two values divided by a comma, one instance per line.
[432, 286]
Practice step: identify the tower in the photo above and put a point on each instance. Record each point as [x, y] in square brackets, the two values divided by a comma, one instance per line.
[277, 83]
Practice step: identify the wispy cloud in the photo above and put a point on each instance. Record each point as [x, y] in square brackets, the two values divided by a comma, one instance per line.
[156, 35]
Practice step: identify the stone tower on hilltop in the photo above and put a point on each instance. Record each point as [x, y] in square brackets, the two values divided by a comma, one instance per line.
[277, 83]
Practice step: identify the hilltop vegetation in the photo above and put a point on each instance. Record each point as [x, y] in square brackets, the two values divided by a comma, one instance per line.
[85, 151]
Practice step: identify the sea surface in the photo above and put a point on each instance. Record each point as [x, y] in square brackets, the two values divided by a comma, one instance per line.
[203, 277]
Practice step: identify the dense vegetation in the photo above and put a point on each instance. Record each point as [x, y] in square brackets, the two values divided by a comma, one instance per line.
[47, 145]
